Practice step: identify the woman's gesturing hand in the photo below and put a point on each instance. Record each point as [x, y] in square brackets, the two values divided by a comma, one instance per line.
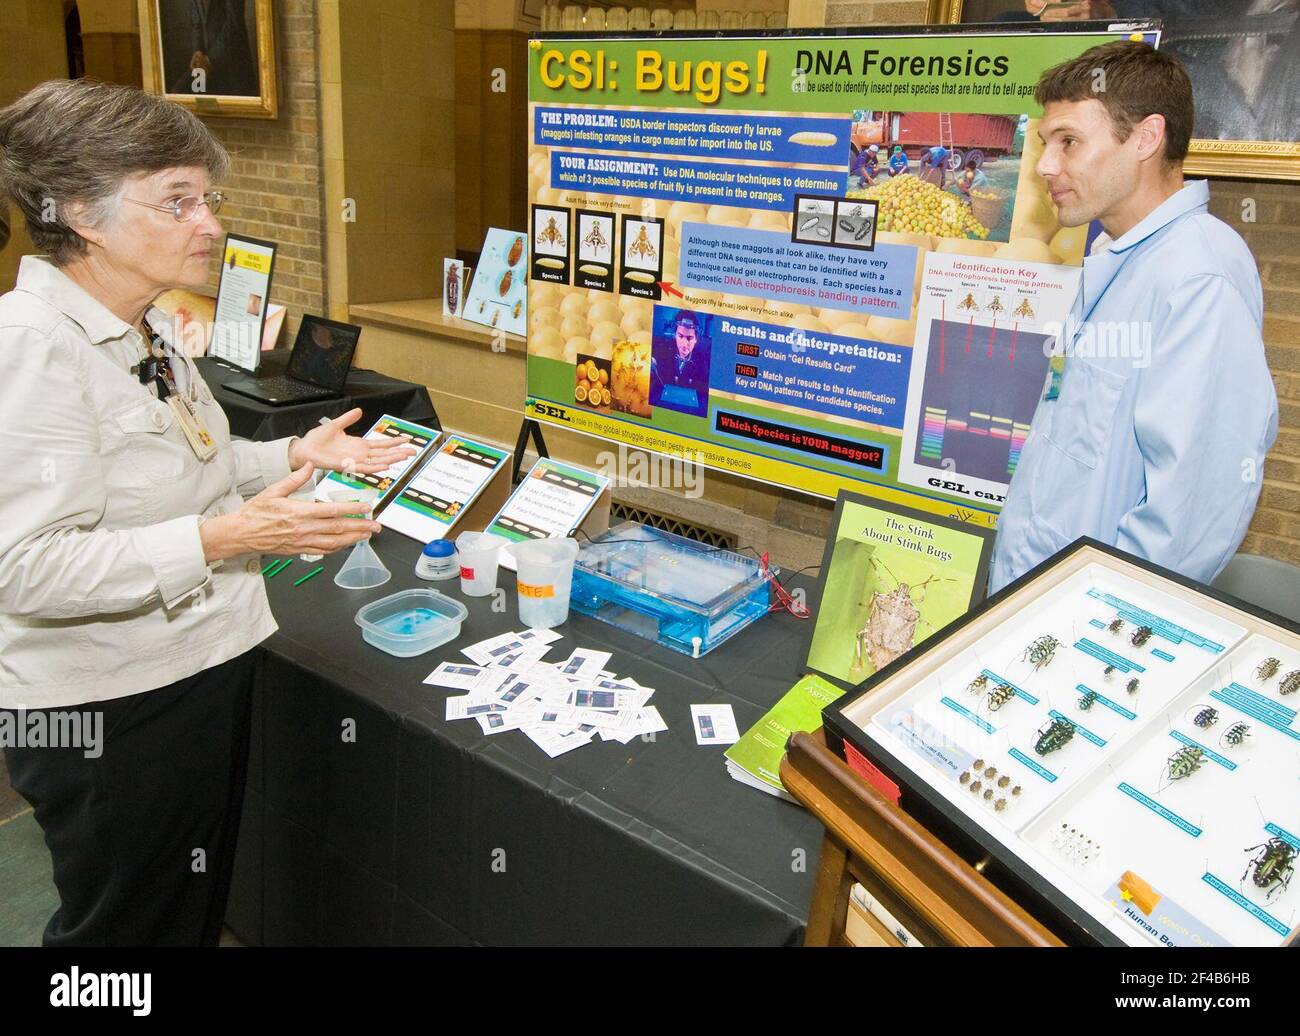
[273, 523]
[330, 447]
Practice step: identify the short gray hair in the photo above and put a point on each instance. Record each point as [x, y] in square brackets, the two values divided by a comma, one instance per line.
[77, 140]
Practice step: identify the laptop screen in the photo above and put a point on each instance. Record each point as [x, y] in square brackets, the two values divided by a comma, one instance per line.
[322, 352]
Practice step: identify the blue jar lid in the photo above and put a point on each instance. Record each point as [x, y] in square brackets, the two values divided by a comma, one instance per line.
[439, 549]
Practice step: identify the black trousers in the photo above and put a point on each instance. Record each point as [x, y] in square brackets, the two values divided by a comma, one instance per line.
[143, 837]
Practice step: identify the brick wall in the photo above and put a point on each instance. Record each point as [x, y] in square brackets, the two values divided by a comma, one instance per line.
[275, 184]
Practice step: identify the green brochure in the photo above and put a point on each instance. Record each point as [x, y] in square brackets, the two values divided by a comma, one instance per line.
[756, 757]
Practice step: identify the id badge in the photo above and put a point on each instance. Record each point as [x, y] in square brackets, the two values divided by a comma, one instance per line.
[1055, 372]
[201, 442]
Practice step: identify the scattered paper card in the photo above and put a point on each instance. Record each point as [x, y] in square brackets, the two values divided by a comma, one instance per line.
[714, 724]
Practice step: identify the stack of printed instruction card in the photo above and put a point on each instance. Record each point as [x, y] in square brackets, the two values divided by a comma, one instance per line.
[560, 706]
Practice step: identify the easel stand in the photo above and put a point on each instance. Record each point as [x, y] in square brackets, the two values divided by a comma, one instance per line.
[529, 429]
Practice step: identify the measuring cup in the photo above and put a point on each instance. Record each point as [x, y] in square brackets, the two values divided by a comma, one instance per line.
[545, 580]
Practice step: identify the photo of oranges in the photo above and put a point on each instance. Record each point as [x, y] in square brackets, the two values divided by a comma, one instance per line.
[591, 382]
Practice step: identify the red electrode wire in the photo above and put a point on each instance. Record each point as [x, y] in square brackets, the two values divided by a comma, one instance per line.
[782, 600]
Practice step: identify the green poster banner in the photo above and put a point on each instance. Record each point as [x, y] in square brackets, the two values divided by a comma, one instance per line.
[967, 72]
[821, 260]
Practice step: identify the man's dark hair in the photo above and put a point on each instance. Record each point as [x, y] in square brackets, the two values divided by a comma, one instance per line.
[688, 318]
[1132, 80]
[970, 164]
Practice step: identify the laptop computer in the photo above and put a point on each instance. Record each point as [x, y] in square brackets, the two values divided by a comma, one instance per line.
[318, 366]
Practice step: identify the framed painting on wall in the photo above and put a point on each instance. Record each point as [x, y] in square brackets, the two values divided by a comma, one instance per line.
[1243, 57]
[215, 57]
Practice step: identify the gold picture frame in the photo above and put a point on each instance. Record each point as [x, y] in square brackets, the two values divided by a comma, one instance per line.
[1248, 159]
[171, 28]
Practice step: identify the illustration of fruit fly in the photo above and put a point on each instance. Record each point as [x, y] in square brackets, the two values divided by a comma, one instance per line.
[596, 240]
[1271, 870]
[1141, 635]
[1115, 625]
[891, 626]
[1289, 683]
[1087, 701]
[1041, 651]
[978, 685]
[1268, 668]
[1235, 735]
[996, 305]
[1024, 310]
[1183, 763]
[1054, 736]
[642, 247]
[552, 234]
[1133, 686]
[1000, 695]
[1206, 717]
[968, 302]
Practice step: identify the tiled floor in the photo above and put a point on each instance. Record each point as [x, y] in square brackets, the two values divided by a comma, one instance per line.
[27, 894]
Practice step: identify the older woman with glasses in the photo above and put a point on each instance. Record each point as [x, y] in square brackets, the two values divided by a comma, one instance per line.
[131, 527]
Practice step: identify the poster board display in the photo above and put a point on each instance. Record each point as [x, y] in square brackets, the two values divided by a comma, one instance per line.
[890, 577]
[388, 481]
[442, 491]
[498, 294]
[1119, 739]
[760, 291]
[242, 296]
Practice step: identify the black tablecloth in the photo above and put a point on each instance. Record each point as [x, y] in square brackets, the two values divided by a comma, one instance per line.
[426, 832]
[376, 394]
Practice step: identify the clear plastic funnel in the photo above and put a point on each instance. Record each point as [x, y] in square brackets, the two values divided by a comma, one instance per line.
[363, 570]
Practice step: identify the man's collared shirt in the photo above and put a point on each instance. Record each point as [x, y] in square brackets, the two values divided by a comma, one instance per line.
[1156, 442]
[104, 589]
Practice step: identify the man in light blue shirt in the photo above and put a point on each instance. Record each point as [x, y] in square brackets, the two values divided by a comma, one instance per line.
[1155, 443]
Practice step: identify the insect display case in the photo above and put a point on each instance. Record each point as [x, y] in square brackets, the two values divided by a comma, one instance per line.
[1118, 744]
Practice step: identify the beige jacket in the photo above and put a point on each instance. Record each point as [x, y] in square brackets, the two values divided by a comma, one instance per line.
[104, 591]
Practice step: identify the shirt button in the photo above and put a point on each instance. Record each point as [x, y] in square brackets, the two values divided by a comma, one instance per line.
[254, 567]
[157, 419]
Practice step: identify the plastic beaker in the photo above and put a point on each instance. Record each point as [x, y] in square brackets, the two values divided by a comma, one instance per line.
[478, 562]
[545, 580]
[363, 570]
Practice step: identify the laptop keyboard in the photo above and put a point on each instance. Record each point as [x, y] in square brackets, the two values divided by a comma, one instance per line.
[282, 386]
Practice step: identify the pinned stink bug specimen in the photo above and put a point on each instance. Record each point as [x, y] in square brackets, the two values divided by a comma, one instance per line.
[1272, 867]
[891, 626]
[978, 685]
[1054, 736]
[1206, 716]
[1268, 668]
[1141, 635]
[1183, 763]
[1000, 805]
[1000, 695]
[1133, 686]
[1115, 625]
[1041, 651]
[964, 778]
[1087, 701]
[978, 764]
[1289, 683]
[1235, 736]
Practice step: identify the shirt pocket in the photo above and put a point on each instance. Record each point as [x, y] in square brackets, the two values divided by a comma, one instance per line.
[1083, 417]
[153, 443]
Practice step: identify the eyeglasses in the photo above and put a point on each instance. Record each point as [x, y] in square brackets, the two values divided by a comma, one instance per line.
[185, 209]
